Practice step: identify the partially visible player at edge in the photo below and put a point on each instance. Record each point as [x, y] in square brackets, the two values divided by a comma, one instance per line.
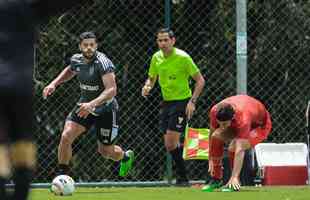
[97, 105]
[241, 121]
[174, 68]
[18, 21]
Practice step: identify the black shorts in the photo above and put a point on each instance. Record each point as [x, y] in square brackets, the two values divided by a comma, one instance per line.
[173, 116]
[16, 115]
[105, 125]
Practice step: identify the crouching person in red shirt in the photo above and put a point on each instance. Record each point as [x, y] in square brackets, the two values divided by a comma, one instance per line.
[242, 122]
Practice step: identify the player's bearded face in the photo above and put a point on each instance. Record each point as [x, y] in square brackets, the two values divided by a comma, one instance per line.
[88, 47]
[165, 42]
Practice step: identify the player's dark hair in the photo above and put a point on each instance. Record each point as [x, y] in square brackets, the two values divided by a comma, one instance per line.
[225, 112]
[87, 35]
[166, 30]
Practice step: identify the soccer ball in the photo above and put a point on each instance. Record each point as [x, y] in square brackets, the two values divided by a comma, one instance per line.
[62, 185]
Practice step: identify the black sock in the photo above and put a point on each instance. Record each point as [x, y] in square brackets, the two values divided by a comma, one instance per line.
[179, 161]
[3, 194]
[22, 178]
[126, 157]
[63, 169]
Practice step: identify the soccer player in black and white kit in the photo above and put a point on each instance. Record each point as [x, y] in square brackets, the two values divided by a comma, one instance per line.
[97, 105]
[18, 19]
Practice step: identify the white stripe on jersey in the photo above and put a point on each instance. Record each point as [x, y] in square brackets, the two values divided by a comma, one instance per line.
[105, 61]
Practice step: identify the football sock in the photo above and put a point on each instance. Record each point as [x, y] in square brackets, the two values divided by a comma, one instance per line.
[216, 153]
[22, 178]
[3, 194]
[231, 156]
[63, 169]
[179, 161]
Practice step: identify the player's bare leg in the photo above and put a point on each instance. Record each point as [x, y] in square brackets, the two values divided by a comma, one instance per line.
[216, 152]
[113, 152]
[5, 169]
[172, 144]
[116, 153]
[71, 131]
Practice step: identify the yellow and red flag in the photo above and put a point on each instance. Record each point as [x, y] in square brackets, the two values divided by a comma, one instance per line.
[196, 144]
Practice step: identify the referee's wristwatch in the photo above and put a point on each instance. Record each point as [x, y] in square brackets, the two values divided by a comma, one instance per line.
[193, 100]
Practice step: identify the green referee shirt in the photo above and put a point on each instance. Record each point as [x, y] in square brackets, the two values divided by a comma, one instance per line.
[174, 73]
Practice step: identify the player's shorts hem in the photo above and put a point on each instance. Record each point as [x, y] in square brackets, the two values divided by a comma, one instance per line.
[78, 122]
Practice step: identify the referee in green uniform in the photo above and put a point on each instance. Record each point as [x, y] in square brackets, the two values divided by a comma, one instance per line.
[173, 68]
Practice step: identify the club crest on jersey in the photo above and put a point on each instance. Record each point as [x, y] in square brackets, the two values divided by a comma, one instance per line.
[78, 69]
[180, 120]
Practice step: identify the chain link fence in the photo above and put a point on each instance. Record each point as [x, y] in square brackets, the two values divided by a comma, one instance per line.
[278, 68]
[277, 74]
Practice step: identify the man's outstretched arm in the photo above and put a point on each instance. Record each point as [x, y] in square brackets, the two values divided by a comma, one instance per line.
[65, 75]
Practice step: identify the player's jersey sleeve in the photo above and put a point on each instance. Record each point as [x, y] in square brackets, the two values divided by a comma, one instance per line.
[213, 122]
[191, 66]
[105, 65]
[153, 69]
[75, 61]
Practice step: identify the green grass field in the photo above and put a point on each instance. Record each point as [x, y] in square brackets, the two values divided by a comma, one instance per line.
[175, 193]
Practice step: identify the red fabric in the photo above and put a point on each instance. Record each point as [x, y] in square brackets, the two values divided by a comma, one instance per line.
[218, 172]
[231, 157]
[216, 152]
[203, 144]
[192, 151]
[250, 114]
[216, 148]
[192, 133]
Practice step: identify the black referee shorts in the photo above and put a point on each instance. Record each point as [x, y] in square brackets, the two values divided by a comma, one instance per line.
[16, 115]
[173, 116]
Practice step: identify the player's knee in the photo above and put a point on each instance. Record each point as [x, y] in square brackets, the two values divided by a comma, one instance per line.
[23, 153]
[170, 146]
[5, 168]
[67, 138]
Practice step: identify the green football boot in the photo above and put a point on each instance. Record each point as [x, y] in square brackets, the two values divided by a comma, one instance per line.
[212, 185]
[127, 165]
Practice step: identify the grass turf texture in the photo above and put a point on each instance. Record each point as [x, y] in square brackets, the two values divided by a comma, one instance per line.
[176, 193]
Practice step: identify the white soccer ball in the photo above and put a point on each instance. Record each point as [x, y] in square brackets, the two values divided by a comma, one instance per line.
[62, 185]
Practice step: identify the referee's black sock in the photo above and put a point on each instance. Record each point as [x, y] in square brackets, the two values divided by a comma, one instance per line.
[180, 164]
[22, 178]
[63, 169]
[3, 194]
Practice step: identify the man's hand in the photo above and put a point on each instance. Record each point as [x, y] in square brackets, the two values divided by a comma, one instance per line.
[49, 90]
[85, 109]
[190, 108]
[234, 183]
[146, 90]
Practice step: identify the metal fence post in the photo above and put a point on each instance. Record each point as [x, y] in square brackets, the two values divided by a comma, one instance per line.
[241, 46]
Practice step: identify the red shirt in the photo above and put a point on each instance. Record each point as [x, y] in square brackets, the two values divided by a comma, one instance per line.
[249, 114]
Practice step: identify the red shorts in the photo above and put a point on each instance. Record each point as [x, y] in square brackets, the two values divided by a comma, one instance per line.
[261, 133]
